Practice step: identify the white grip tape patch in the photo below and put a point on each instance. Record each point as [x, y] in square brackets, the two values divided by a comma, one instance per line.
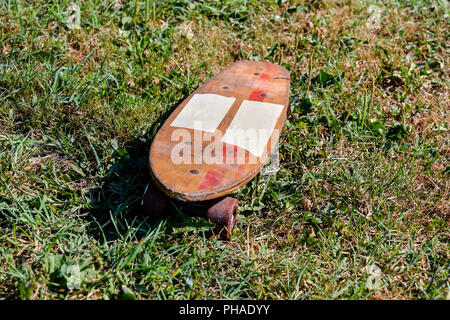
[252, 126]
[203, 112]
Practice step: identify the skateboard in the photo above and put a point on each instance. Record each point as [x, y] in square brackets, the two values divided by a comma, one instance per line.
[217, 140]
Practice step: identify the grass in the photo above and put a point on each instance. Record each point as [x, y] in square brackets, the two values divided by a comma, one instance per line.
[358, 210]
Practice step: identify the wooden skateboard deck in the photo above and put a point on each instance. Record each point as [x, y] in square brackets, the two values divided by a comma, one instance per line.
[221, 136]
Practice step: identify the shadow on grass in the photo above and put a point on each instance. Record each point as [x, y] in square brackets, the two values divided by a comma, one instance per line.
[116, 206]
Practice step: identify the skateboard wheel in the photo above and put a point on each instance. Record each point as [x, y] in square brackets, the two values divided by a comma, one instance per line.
[223, 215]
[153, 202]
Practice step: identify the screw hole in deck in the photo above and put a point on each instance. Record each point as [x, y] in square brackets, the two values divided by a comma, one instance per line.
[194, 171]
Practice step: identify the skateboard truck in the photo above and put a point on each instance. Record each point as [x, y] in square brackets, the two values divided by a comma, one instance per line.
[221, 211]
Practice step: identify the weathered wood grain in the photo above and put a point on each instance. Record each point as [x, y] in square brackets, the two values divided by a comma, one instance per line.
[244, 80]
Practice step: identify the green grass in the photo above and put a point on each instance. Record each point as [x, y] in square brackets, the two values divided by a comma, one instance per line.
[358, 210]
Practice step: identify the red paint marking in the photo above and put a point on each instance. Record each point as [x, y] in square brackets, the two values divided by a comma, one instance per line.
[256, 95]
[265, 76]
[247, 156]
[211, 179]
[228, 147]
[232, 155]
[229, 153]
